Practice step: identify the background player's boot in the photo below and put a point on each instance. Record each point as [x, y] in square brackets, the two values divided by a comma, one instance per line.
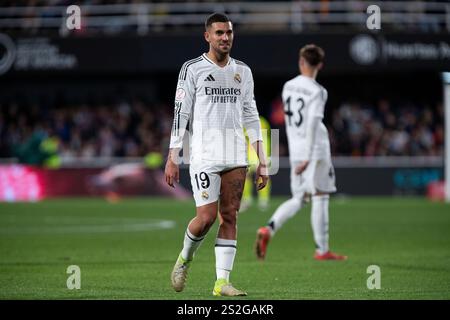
[262, 240]
[329, 256]
[179, 273]
[222, 288]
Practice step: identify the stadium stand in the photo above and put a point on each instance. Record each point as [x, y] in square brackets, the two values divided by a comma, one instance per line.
[134, 128]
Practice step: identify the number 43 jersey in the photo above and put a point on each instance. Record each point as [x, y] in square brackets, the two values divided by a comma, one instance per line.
[304, 102]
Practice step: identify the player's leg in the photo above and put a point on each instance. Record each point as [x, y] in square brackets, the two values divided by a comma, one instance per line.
[206, 188]
[324, 181]
[193, 238]
[319, 221]
[197, 229]
[232, 186]
[283, 213]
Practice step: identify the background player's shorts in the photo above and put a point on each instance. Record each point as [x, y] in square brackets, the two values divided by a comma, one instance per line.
[318, 177]
[206, 181]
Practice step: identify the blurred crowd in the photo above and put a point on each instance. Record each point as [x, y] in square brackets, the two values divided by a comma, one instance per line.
[135, 128]
[121, 129]
[387, 129]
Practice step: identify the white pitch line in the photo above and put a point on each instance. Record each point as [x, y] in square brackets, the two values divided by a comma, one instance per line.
[121, 225]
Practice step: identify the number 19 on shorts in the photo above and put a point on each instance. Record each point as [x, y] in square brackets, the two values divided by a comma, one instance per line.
[204, 180]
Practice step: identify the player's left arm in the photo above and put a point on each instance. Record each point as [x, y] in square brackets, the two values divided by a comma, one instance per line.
[253, 127]
[262, 171]
[316, 110]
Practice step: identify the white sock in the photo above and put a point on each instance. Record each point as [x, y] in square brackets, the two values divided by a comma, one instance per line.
[319, 222]
[284, 212]
[191, 244]
[225, 252]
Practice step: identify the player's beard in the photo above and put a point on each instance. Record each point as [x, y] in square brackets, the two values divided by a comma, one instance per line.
[221, 51]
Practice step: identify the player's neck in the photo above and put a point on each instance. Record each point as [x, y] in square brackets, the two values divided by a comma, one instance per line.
[220, 59]
[309, 74]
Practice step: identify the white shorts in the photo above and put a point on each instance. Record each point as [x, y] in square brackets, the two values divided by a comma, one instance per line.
[318, 177]
[206, 181]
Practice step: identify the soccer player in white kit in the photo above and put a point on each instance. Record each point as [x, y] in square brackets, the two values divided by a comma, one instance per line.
[312, 172]
[214, 102]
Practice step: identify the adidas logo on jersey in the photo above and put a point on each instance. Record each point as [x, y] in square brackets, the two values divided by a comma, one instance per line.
[210, 78]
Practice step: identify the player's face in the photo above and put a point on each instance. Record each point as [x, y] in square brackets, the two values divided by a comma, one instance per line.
[220, 37]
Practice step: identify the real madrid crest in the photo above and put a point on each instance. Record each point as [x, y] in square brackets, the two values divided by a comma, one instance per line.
[237, 78]
[205, 195]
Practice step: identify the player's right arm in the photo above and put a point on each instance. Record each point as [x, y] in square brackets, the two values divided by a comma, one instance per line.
[184, 98]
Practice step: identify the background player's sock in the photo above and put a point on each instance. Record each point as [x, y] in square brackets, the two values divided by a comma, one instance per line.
[225, 252]
[319, 222]
[247, 195]
[284, 212]
[264, 197]
[191, 244]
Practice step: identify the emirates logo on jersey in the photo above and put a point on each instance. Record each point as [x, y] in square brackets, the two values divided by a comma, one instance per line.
[222, 94]
[237, 78]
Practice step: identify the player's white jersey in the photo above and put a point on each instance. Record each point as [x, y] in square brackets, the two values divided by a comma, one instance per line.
[304, 99]
[215, 104]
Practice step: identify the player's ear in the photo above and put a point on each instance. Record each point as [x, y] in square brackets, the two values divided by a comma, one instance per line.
[301, 62]
[206, 34]
[319, 66]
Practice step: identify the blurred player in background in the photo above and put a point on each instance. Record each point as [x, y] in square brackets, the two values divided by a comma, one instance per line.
[312, 172]
[263, 195]
[214, 98]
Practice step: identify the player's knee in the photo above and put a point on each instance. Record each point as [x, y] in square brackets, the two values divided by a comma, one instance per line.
[207, 220]
[319, 196]
[229, 220]
[297, 201]
[230, 209]
[228, 214]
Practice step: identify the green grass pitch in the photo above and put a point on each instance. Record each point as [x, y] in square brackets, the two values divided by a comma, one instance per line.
[126, 251]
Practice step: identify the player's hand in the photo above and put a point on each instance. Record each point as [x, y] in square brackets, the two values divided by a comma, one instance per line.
[261, 177]
[172, 173]
[301, 167]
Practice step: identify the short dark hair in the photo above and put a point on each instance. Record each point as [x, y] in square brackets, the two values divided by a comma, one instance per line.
[312, 54]
[216, 17]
